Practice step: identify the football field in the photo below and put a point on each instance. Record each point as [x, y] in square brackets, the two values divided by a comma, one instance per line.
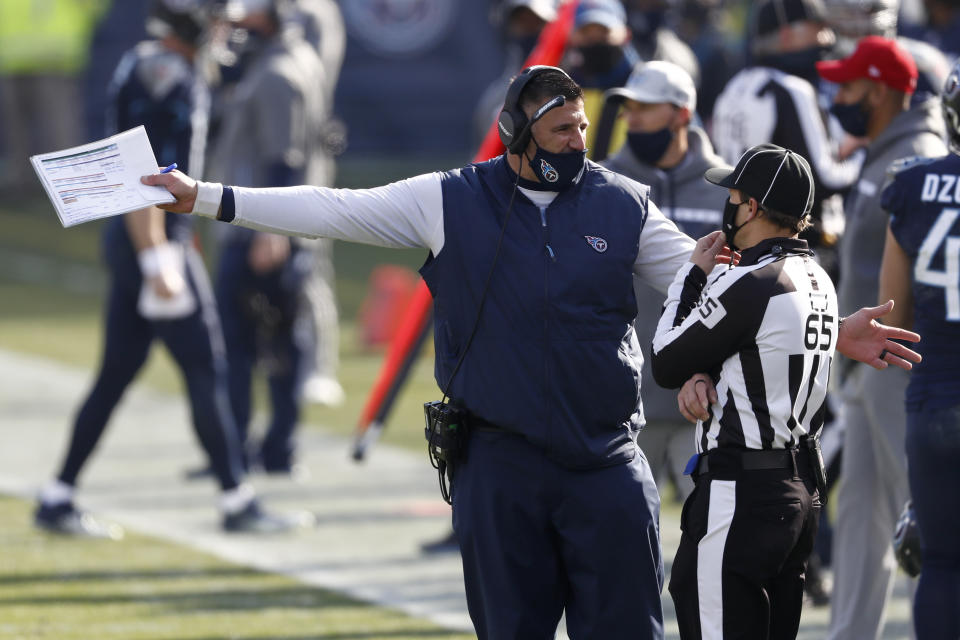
[369, 522]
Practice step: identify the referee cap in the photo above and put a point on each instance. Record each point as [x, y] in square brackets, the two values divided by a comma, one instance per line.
[778, 178]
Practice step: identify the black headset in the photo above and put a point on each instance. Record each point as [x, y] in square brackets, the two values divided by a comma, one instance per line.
[513, 124]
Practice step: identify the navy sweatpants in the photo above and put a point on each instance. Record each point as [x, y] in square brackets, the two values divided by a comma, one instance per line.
[933, 445]
[266, 322]
[538, 539]
[196, 344]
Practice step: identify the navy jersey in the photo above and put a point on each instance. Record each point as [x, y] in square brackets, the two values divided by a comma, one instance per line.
[158, 89]
[924, 205]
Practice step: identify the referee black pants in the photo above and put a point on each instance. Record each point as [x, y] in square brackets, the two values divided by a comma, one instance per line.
[739, 570]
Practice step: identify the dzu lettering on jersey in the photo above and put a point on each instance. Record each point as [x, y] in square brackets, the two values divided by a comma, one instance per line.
[943, 188]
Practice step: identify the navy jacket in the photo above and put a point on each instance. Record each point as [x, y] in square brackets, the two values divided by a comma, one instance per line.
[157, 88]
[924, 205]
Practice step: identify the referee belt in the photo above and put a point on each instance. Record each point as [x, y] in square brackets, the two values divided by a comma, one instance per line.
[734, 460]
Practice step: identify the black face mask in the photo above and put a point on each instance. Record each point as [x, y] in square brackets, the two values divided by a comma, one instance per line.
[600, 58]
[557, 171]
[650, 147]
[730, 227]
[854, 118]
[798, 63]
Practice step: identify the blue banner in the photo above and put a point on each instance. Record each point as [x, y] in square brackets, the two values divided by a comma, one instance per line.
[413, 72]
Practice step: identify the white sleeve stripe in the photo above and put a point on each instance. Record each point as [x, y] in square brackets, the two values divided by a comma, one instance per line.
[666, 333]
[831, 173]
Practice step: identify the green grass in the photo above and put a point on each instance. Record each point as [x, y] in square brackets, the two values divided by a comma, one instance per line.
[140, 588]
[143, 588]
[65, 326]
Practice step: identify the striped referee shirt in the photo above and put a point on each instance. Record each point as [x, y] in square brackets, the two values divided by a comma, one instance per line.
[766, 331]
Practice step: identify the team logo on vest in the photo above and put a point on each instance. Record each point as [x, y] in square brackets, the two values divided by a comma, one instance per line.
[549, 173]
[599, 244]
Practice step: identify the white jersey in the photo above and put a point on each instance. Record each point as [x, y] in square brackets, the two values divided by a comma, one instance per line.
[766, 330]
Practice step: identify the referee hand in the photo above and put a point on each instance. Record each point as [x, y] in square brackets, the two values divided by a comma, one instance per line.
[864, 339]
[696, 396]
[712, 250]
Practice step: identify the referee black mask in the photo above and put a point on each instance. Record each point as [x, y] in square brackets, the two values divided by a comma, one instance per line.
[777, 178]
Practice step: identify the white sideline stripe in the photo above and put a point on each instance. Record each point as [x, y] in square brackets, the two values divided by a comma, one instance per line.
[723, 501]
[134, 480]
[366, 546]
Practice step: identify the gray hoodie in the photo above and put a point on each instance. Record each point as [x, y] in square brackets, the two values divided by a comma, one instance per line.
[696, 206]
[919, 131]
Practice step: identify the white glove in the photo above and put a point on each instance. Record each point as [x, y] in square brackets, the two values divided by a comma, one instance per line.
[164, 294]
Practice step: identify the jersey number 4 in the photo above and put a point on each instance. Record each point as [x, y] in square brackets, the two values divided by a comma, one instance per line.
[949, 278]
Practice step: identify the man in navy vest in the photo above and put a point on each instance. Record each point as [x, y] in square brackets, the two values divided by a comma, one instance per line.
[554, 504]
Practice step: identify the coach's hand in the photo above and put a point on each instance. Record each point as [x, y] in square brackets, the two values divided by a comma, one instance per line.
[862, 338]
[180, 185]
[696, 396]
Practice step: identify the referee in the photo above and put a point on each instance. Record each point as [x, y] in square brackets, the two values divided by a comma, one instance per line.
[766, 331]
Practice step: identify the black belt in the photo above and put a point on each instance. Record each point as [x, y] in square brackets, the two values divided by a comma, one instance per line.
[733, 460]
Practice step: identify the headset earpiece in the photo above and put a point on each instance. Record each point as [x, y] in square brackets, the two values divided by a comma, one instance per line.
[507, 127]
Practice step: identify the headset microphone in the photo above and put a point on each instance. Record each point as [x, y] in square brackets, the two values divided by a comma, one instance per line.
[553, 103]
[519, 142]
[524, 135]
[558, 101]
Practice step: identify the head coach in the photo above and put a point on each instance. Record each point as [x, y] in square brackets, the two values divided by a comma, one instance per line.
[531, 261]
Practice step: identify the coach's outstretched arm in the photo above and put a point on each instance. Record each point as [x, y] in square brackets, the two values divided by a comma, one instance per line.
[404, 214]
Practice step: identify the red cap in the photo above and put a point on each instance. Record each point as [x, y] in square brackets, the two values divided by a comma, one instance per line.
[878, 59]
